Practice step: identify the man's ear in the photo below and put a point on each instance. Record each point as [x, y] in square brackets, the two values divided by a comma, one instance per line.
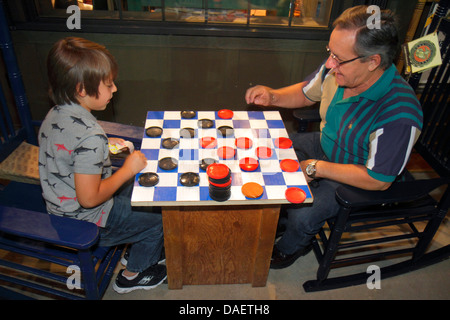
[374, 62]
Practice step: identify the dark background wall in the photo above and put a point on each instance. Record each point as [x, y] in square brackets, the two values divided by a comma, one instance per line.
[179, 72]
[176, 72]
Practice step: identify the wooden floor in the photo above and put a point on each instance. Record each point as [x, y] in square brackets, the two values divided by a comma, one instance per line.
[286, 284]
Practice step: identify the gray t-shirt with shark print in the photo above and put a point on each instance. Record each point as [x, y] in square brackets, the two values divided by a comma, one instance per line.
[71, 141]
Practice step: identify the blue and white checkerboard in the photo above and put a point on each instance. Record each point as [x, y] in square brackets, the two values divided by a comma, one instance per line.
[262, 127]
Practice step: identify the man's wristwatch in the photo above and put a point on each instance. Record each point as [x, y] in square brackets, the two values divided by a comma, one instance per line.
[311, 169]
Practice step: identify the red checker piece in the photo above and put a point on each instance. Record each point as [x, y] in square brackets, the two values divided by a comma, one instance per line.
[263, 152]
[226, 152]
[295, 195]
[217, 171]
[252, 190]
[248, 164]
[244, 143]
[221, 185]
[225, 114]
[289, 165]
[283, 143]
[208, 142]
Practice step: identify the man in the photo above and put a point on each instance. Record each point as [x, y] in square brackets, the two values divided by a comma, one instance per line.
[370, 121]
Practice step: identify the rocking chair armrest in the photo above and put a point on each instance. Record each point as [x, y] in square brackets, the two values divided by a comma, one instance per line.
[400, 191]
[48, 228]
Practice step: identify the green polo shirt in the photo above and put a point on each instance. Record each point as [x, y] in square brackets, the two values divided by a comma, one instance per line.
[377, 128]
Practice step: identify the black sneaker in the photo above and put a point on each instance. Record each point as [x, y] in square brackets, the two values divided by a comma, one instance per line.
[148, 279]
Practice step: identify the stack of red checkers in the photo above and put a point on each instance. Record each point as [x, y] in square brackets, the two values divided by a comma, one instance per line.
[219, 177]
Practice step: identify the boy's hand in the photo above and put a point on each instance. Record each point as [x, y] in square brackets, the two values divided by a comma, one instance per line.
[116, 141]
[118, 145]
[92, 190]
[135, 162]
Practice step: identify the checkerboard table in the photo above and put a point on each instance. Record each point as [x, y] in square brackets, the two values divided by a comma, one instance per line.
[218, 242]
[262, 128]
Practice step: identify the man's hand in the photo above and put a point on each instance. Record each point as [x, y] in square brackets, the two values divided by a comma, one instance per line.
[259, 95]
[287, 97]
[303, 165]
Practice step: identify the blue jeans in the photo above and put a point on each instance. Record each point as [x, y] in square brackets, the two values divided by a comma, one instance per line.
[141, 228]
[304, 221]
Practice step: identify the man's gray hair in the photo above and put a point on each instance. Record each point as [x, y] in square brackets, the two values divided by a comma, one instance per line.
[382, 40]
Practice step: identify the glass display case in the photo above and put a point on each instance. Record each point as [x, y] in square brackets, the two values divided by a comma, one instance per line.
[273, 13]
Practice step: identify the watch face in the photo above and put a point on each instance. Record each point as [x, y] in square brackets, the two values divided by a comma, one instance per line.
[311, 169]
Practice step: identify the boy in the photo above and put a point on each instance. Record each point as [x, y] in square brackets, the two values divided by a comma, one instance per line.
[75, 168]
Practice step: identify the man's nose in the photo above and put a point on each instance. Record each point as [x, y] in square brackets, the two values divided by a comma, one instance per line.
[331, 63]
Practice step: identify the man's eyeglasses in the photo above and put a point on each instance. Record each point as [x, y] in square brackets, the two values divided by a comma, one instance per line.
[339, 62]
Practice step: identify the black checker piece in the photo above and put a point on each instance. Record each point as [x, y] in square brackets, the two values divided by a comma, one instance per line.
[148, 179]
[168, 163]
[187, 133]
[190, 179]
[153, 132]
[188, 114]
[170, 143]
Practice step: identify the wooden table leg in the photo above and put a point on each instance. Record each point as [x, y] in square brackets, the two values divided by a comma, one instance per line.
[173, 231]
[219, 244]
[269, 222]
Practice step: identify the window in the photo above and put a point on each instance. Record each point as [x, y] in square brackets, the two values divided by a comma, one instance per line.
[272, 13]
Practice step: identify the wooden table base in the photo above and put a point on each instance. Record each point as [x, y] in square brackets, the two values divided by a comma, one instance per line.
[219, 244]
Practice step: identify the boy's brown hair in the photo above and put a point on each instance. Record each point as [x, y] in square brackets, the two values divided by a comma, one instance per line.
[74, 64]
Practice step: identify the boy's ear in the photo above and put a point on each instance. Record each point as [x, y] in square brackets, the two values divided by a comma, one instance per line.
[80, 90]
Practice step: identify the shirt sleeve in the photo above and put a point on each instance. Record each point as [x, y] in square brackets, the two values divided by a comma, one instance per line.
[390, 148]
[313, 89]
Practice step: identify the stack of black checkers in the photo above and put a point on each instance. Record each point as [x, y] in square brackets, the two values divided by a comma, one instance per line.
[219, 177]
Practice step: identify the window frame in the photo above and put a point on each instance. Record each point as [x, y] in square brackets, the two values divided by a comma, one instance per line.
[31, 20]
